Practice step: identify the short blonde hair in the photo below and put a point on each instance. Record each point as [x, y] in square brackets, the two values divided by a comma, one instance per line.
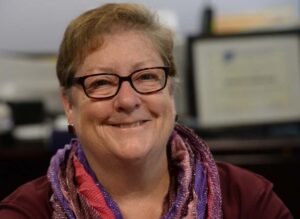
[85, 34]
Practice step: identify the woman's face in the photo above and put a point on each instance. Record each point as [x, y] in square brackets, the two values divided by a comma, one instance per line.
[129, 125]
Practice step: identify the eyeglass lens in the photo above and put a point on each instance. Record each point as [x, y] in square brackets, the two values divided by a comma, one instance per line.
[143, 81]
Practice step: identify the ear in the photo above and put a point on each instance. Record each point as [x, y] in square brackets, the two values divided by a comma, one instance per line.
[67, 105]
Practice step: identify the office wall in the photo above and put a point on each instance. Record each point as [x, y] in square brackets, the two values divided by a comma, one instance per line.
[37, 26]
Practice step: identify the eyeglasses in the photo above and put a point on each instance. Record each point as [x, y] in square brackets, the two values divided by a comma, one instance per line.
[107, 85]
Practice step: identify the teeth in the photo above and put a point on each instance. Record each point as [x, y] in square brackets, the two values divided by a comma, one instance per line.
[129, 125]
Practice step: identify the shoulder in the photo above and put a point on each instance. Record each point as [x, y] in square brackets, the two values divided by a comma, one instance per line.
[248, 195]
[239, 178]
[30, 200]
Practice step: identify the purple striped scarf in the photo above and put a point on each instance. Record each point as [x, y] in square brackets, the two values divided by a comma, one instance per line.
[194, 191]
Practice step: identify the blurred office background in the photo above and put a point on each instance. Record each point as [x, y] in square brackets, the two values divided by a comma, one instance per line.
[32, 125]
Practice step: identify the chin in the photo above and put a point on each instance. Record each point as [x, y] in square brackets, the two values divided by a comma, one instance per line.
[137, 149]
[133, 150]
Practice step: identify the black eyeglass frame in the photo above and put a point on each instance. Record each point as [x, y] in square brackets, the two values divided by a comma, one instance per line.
[80, 81]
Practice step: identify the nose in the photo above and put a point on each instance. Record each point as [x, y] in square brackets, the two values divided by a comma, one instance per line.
[127, 99]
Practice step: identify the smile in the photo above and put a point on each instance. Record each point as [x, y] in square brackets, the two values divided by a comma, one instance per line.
[130, 125]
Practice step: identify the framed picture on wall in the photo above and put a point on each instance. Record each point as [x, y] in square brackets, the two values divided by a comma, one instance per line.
[245, 79]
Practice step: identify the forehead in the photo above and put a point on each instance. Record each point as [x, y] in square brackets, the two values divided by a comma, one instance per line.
[122, 50]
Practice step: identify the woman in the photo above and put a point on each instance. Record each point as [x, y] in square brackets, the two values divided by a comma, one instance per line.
[130, 159]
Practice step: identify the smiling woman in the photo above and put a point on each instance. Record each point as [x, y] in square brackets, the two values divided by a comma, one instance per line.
[130, 159]
[128, 120]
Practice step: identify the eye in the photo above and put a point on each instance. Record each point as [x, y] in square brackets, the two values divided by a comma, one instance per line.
[100, 82]
[147, 76]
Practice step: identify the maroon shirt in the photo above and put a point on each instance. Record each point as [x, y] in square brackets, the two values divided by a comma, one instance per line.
[245, 195]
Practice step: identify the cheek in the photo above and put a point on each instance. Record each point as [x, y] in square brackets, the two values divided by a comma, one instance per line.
[93, 111]
[172, 105]
[167, 107]
[168, 117]
[172, 109]
[88, 120]
[86, 112]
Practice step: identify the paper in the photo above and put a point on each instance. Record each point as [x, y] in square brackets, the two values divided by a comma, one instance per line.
[247, 80]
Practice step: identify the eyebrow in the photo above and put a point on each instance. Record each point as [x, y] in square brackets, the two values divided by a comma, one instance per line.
[112, 69]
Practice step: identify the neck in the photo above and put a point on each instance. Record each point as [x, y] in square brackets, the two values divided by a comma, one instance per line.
[139, 187]
[127, 178]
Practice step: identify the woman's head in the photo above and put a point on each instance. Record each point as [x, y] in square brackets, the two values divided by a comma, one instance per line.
[127, 118]
[85, 34]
